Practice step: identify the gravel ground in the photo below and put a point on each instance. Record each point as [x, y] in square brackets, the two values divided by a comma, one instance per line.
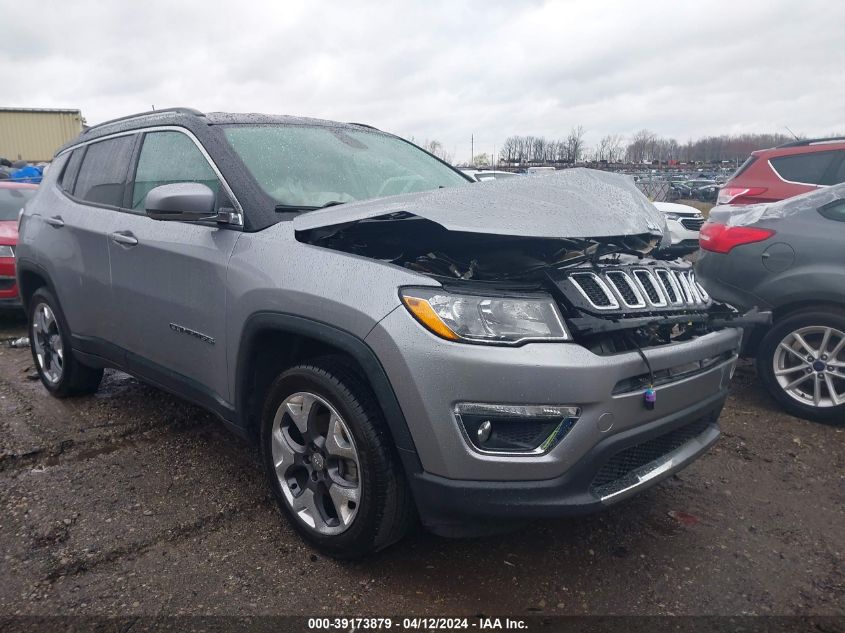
[134, 502]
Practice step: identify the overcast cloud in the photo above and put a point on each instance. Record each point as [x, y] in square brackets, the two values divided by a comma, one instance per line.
[441, 70]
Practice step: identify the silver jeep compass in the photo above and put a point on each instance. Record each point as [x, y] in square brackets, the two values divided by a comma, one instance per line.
[401, 342]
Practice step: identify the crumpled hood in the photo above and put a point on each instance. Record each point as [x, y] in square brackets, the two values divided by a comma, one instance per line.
[573, 203]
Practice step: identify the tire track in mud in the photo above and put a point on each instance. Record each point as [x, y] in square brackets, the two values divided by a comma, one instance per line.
[110, 434]
[173, 535]
[69, 451]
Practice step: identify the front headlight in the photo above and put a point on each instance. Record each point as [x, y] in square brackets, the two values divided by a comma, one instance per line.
[7, 251]
[485, 319]
[673, 216]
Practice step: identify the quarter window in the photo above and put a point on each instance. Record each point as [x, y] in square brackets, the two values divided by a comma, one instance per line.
[102, 176]
[170, 157]
[72, 169]
[834, 211]
[804, 168]
[839, 174]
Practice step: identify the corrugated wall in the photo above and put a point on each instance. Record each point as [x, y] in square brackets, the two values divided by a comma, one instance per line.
[35, 135]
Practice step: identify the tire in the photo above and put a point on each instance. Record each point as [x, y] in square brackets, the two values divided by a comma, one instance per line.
[300, 432]
[61, 373]
[822, 370]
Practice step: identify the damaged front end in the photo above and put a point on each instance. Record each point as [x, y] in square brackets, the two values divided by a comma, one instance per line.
[510, 240]
[613, 296]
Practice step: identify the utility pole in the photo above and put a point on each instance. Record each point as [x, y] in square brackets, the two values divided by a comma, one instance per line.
[493, 157]
[472, 149]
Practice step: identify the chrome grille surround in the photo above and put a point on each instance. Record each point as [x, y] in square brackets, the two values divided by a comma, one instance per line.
[645, 280]
[620, 280]
[683, 284]
[613, 304]
[670, 286]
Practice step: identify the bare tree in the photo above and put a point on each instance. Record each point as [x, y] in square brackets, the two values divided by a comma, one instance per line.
[481, 160]
[609, 148]
[575, 144]
[438, 149]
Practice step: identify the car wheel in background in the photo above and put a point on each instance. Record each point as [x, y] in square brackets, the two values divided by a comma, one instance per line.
[801, 361]
[49, 339]
[330, 463]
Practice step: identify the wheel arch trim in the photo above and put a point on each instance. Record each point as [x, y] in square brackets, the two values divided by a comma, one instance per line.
[27, 266]
[284, 323]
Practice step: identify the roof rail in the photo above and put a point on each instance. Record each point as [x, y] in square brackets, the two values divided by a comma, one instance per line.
[813, 141]
[189, 111]
[372, 127]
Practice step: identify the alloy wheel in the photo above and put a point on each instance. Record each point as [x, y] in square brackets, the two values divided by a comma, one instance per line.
[47, 342]
[316, 463]
[809, 365]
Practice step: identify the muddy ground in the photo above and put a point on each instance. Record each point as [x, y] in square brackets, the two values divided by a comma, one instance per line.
[134, 502]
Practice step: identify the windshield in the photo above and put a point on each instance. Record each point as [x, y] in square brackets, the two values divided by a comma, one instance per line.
[12, 201]
[313, 166]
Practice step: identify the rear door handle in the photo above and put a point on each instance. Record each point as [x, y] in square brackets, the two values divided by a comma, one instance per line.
[56, 221]
[124, 237]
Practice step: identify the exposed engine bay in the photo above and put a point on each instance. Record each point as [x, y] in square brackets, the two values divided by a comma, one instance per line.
[613, 292]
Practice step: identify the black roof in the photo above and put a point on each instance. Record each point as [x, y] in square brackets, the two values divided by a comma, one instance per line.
[188, 116]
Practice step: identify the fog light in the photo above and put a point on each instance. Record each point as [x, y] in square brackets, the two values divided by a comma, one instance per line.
[484, 431]
[515, 429]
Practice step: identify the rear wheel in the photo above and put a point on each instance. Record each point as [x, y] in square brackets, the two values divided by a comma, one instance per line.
[49, 339]
[801, 361]
[331, 463]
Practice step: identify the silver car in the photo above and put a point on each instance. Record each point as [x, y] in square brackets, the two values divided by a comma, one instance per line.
[787, 257]
[401, 342]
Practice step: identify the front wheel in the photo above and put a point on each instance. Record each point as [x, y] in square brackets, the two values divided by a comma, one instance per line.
[49, 339]
[330, 462]
[801, 361]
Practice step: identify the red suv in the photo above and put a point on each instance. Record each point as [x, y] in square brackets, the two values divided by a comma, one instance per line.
[785, 171]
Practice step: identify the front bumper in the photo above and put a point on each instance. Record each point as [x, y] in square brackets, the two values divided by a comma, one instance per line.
[654, 451]
[430, 376]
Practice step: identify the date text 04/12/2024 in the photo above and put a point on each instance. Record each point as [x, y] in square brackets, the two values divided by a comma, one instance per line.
[413, 624]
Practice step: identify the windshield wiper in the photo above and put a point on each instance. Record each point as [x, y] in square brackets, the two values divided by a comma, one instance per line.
[282, 208]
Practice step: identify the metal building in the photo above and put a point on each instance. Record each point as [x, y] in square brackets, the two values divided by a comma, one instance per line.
[34, 134]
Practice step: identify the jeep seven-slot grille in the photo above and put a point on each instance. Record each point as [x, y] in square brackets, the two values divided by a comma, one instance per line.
[640, 288]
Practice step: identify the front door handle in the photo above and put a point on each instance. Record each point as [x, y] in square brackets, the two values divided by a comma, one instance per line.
[125, 238]
[56, 221]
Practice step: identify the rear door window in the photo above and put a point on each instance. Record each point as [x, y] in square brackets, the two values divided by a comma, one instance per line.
[102, 176]
[806, 169]
[166, 158]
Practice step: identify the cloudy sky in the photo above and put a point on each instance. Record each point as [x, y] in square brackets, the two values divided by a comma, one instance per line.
[441, 70]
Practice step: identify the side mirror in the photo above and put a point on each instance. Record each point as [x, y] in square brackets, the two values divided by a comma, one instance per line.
[183, 201]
